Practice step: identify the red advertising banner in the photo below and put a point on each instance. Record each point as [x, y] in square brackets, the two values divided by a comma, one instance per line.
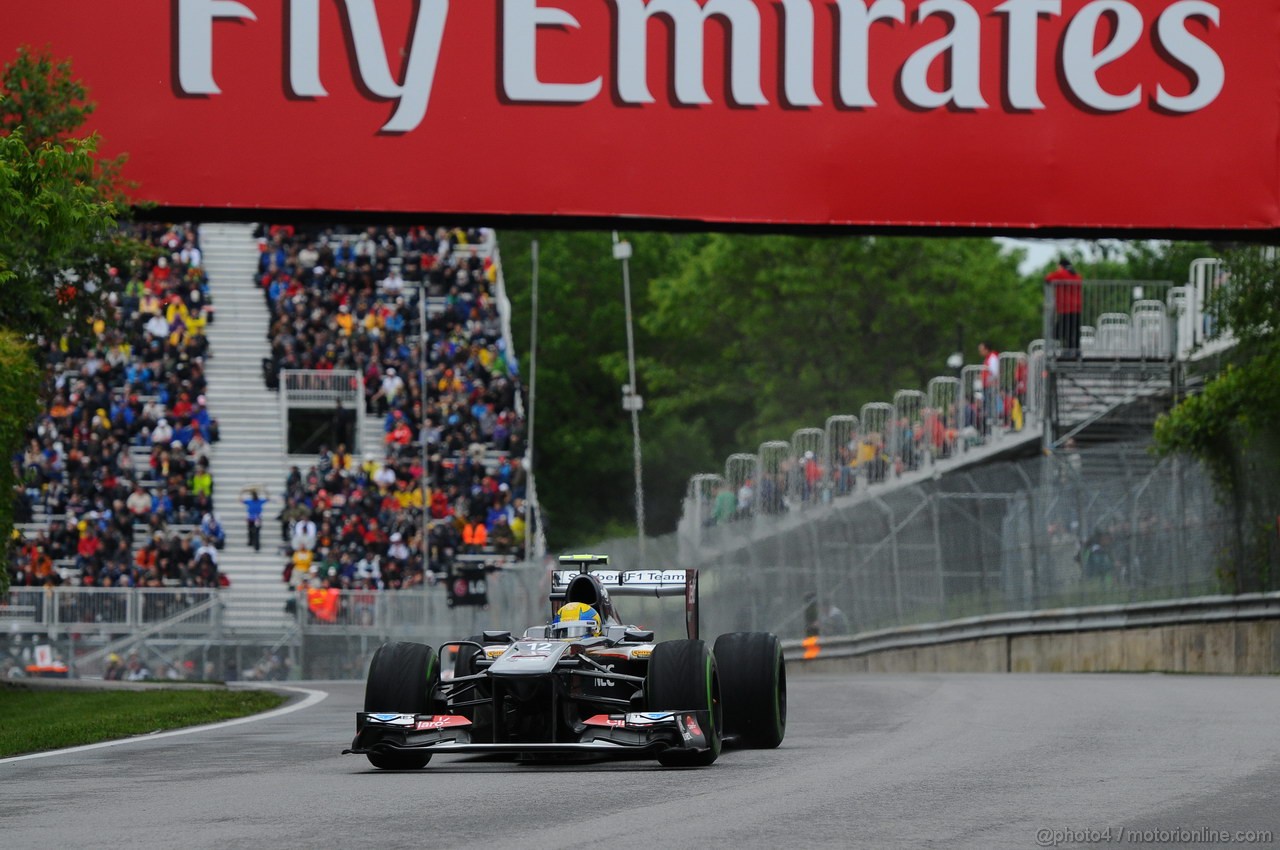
[1151, 114]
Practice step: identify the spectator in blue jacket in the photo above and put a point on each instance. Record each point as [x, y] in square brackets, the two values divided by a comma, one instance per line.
[253, 517]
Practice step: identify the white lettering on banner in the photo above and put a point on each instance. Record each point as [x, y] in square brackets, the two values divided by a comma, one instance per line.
[1177, 42]
[304, 49]
[1081, 64]
[962, 45]
[856, 19]
[1172, 32]
[195, 41]
[797, 70]
[520, 22]
[1024, 25]
[689, 20]
[424, 52]
[195, 52]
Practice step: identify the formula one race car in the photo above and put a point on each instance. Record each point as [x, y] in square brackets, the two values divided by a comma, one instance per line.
[586, 684]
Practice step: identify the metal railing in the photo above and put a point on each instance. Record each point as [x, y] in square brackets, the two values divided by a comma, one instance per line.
[1197, 332]
[100, 610]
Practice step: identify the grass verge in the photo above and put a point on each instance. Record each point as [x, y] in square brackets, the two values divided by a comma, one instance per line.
[42, 719]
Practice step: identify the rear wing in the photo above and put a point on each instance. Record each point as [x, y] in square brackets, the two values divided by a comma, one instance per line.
[657, 583]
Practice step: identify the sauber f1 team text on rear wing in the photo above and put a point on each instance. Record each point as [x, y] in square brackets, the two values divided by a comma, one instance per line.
[657, 583]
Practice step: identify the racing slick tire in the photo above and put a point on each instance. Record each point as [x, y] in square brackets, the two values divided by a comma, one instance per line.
[682, 676]
[481, 716]
[402, 679]
[753, 682]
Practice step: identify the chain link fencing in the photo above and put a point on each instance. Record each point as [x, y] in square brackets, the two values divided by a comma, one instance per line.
[180, 633]
[1107, 524]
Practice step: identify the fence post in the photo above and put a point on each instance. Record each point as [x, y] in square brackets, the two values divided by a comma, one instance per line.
[1032, 537]
[937, 554]
[893, 557]
[1050, 391]
[1179, 520]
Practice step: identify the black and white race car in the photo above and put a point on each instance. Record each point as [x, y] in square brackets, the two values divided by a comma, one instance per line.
[584, 684]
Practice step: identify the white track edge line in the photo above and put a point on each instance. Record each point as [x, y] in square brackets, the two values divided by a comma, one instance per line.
[311, 698]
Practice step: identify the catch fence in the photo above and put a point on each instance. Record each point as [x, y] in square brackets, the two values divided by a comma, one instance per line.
[1110, 524]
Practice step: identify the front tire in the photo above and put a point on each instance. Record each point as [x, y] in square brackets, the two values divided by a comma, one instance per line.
[753, 679]
[402, 679]
[683, 677]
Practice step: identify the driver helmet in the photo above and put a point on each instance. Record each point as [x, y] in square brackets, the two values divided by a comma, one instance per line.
[575, 620]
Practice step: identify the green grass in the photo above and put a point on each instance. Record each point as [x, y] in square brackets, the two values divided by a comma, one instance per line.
[32, 720]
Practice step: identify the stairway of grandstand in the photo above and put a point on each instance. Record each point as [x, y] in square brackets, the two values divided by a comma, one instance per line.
[251, 452]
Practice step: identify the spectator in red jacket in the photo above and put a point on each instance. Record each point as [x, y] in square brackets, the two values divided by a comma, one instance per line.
[1067, 305]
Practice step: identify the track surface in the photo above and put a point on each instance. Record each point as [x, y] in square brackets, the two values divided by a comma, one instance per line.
[869, 761]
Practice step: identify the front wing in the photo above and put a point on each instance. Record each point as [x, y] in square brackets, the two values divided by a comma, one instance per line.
[634, 735]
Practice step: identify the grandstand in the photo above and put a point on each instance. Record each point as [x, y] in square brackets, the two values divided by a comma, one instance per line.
[115, 474]
[252, 371]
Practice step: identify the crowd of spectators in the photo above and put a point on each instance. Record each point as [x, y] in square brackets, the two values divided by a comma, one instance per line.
[349, 301]
[901, 440]
[115, 483]
[358, 523]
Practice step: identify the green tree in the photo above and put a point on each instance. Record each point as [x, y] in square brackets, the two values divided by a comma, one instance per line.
[57, 236]
[763, 335]
[1232, 425]
[59, 208]
[739, 338]
[42, 97]
[1113, 259]
[583, 441]
[19, 404]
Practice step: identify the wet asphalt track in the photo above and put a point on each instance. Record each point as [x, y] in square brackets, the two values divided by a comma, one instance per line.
[869, 761]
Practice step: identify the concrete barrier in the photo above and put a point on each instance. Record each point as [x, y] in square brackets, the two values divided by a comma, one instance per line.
[1225, 635]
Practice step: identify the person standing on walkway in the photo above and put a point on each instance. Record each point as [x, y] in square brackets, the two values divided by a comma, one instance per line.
[1067, 307]
[253, 517]
[990, 386]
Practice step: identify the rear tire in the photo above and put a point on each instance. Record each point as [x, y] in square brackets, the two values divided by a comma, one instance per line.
[402, 679]
[753, 681]
[682, 677]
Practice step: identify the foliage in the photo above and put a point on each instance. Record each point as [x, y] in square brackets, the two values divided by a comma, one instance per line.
[59, 234]
[39, 94]
[739, 339]
[19, 393]
[59, 202]
[583, 438]
[1231, 425]
[43, 97]
[1250, 305]
[763, 335]
[1113, 259]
